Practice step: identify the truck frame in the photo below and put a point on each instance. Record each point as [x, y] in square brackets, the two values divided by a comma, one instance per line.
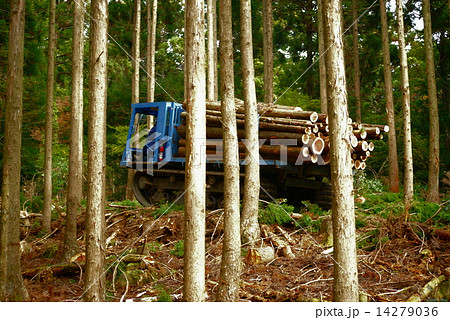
[152, 150]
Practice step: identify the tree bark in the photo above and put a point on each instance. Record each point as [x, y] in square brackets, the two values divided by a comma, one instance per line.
[390, 114]
[95, 209]
[322, 66]
[268, 51]
[345, 286]
[406, 102]
[195, 181]
[152, 12]
[75, 189]
[12, 287]
[230, 267]
[47, 212]
[212, 85]
[433, 162]
[250, 231]
[356, 69]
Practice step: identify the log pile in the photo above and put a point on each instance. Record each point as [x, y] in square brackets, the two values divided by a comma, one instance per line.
[287, 134]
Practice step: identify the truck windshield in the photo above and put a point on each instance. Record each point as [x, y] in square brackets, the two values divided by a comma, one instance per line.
[142, 125]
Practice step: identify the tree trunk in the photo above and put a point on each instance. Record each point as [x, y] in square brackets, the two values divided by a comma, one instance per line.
[152, 11]
[136, 56]
[345, 286]
[195, 180]
[268, 51]
[12, 287]
[212, 51]
[433, 173]
[356, 69]
[47, 212]
[392, 138]
[95, 209]
[322, 66]
[230, 267]
[408, 175]
[250, 231]
[75, 190]
[310, 50]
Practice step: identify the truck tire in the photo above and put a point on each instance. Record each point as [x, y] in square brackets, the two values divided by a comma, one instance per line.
[324, 196]
[142, 191]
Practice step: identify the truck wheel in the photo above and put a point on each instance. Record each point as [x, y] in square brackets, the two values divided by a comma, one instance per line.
[324, 196]
[143, 191]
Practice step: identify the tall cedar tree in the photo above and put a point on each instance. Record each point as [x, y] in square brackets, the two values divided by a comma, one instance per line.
[94, 281]
[230, 267]
[250, 231]
[390, 113]
[268, 51]
[12, 287]
[195, 179]
[433, 172]
[322, 65]
[406, 103]
[152, 11]
[47, 212]
[75, 188]
[345, 285]
[212, 81]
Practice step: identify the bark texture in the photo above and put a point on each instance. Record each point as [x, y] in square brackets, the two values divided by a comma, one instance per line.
[406, 104]
[212, 83]
[47, 211]
[95, 209]
[152, 11]
[230, 267]
[12, 287]
[322, 65]
[390, 114]
[433, 162]
[250, 231]
[268, 51]
[75, 188]
[195, 180]
[345, 286]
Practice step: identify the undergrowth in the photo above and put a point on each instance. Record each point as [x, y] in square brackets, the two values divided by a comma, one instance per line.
[280, 214]
[385, 204]
[166, 208]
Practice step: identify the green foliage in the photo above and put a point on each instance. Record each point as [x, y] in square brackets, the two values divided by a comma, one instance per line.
[178, 249]
[128, 203]
[368, 240]
[311, 214]
[360, 222]
[422, 211]
[163, 294]
[153, 246]
[383, 204]
[295, 98]
[275, 213]
[167, 208]
[50, 251]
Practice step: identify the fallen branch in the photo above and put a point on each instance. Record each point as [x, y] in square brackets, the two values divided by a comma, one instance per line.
[426, 290]
[57, 269]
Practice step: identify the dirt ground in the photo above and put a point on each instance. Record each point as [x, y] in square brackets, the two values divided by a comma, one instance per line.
[148, 266]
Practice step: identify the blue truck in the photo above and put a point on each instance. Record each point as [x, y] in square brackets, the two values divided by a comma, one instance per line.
[154, 149]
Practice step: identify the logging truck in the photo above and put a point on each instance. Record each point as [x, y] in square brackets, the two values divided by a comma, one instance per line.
[294, 152]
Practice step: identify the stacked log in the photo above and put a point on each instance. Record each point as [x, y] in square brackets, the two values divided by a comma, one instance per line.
[287, 134]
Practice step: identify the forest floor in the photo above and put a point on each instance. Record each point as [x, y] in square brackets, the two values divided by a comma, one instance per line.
[394, 263]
